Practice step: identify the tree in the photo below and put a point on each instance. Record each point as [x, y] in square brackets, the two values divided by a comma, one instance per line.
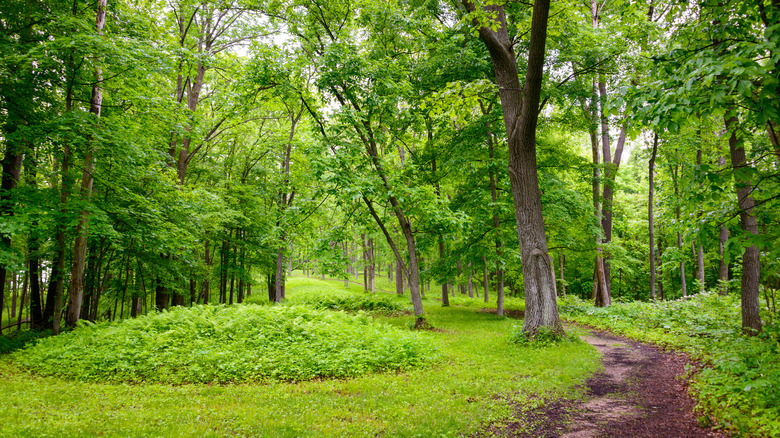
[521, 112]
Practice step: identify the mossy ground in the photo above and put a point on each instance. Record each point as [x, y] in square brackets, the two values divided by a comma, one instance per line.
[473, 384]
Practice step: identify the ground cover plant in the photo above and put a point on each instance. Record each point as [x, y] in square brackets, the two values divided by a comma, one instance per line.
[228, 344]
[739, 386]
[479, 374]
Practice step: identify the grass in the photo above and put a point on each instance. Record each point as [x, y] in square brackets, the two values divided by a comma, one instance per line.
[739, 387]
[478, 375]
[385, 286]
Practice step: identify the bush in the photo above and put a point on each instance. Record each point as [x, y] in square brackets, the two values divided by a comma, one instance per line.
[228, 344]
[740, 384]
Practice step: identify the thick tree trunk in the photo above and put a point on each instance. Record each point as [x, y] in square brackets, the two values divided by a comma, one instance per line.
[521, 112]
[751, 266]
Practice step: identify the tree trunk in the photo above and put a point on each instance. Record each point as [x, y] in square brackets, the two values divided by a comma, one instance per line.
[162, 299]
[205, 282]
[461, 286]
[751, 267]
[371, 266]
[660, 273]
[521, 113]
[674, 172]
[471, 282]
[485, 280]
[650, 218]
[499, 242]
[278, 274]
[56, 285]
[723, 268]
[445, 297]
[346, 257]
[774, 137]
[562, 290]
[399, 278]
[80, 244]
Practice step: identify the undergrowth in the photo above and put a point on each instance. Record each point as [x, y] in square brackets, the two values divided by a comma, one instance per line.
[21, 339]
[228, 344]
[313, 293]
[739, 386]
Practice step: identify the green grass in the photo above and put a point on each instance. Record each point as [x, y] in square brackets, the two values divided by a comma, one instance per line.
[385, 286]
[315, 294]
[472, 384]
[739, 387]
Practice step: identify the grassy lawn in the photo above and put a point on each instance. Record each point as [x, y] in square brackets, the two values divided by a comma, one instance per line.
[473, 382]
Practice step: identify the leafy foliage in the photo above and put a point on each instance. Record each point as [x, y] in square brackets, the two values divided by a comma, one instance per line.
[228, 344]
[738, 387]
[20, 339]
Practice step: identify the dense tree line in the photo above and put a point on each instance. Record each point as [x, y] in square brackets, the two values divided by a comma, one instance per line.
[159, 154]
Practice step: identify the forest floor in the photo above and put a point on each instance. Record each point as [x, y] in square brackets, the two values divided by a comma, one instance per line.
[639, 393]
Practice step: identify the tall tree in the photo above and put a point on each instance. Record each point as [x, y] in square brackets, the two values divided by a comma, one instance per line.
[520, 105]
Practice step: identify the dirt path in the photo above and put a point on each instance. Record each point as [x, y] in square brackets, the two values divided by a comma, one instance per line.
[638, 394]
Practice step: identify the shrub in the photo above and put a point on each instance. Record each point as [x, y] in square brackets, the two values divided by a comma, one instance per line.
[228, 344]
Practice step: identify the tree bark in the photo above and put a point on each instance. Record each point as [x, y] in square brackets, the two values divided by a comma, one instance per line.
[561, 259]
[674, 170]
[471, 282]
[399, 278]
[499, 242]
[461, 286]
[521, 113]
[445, 296]
[751, 266]
[650, 217]
[80, 244]
[485, 280]
[723, 269]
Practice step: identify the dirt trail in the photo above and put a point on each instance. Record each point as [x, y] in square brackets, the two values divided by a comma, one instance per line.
[638, 394]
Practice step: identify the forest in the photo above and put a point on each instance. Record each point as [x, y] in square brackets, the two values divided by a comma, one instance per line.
[387, 218]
